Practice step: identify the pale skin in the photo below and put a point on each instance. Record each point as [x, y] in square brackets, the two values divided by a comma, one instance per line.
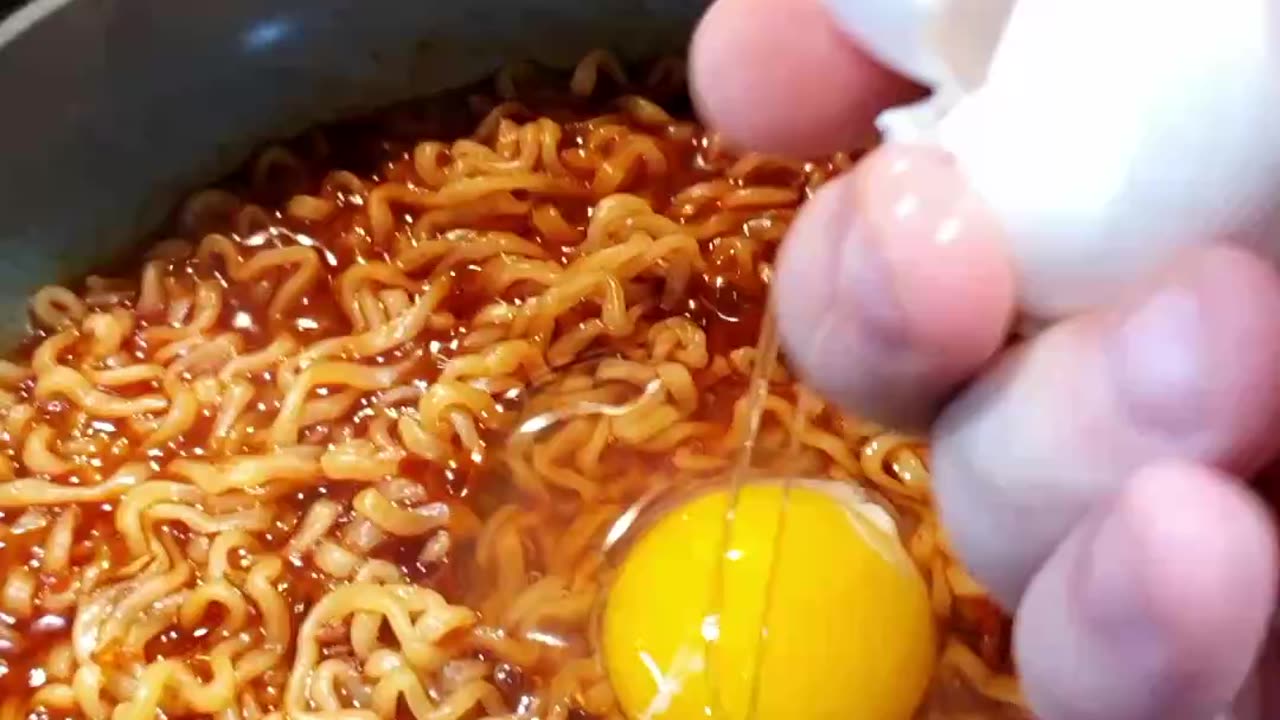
[1095, 477]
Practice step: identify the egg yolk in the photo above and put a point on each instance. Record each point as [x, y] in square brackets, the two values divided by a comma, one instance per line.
[844, 630]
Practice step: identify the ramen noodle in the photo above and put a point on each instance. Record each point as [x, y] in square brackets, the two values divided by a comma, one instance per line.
[281, 467]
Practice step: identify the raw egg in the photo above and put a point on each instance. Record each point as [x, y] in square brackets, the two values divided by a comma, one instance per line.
[839, 626]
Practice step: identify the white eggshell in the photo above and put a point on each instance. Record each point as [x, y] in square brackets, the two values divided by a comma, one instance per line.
[1109, 133]
[895, 32]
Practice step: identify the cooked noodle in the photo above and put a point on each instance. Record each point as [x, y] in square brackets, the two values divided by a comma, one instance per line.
[292, 466]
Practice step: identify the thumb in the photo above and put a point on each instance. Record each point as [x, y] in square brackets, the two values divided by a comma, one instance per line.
[893, 287]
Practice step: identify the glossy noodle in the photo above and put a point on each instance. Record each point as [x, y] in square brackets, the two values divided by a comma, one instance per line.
[290, 465]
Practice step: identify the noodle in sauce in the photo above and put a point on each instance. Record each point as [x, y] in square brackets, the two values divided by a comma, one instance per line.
[283, 467]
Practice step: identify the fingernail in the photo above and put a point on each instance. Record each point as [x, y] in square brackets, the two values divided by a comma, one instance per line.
[904, 197]
[913, 190]
[919, 195]
[1157, 362]
[1113, 604]
[913, 206]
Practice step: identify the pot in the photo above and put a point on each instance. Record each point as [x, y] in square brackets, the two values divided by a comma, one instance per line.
[113, 111]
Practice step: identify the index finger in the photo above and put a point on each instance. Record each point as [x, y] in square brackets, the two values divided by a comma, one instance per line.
[779, 76]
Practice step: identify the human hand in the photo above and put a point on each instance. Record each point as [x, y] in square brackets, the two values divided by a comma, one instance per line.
[1088, 476]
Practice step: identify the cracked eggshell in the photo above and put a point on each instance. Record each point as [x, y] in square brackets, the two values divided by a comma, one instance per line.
[896, 33]
[1109, 133]
[1105, 134]
[943, 44]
